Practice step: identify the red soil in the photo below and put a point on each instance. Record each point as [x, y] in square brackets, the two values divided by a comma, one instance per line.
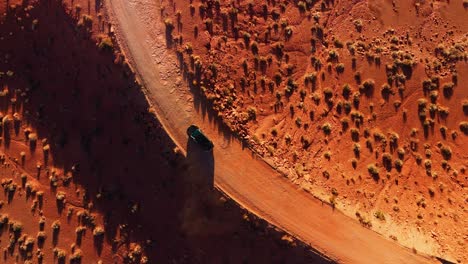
[283, 89]
[101, 159]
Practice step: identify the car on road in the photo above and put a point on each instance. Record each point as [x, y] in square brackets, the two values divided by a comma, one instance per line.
[201, 139]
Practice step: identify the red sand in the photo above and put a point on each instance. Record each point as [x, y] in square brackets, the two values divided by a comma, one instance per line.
[114, 166]
[255, 76]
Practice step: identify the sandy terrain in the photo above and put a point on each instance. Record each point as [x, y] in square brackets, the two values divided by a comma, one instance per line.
[249, 182]
[362, 103]
[89, 175]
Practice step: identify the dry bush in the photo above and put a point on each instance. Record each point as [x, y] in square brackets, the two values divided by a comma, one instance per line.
[373, 171]
[327, 128]
[464, 127]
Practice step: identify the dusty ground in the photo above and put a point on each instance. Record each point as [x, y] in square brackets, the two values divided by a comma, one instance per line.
[362, 103]
[81, 152]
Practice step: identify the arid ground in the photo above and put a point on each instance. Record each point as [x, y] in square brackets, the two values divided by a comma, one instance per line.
[362, 103]
[89, 175]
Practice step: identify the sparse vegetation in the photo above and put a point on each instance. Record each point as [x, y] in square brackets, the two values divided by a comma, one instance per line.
[98, 231]
[446, 152]
[281, 100]
[327, 128]
[340, 68]
[355, 134]
[358, 24]
[373, 170]
[56, 226]
[306, 142]
[15, 227]
[41, 237]
[252, 113]
[447, 89]
[60, 254]
[464, 127]
[106, 44]
[379, 215]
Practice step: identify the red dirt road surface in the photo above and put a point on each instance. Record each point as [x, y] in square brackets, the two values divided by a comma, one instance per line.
[237, 172]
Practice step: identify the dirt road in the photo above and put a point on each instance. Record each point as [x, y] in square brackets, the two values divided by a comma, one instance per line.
[248, 180]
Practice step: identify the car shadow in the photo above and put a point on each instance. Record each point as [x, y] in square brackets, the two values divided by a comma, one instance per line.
[202, 165]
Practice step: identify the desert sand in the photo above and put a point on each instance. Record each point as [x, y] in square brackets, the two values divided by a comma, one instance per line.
[89, 174]
[362, 104]
[355, 114]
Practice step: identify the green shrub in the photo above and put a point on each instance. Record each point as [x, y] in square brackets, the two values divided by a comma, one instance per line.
[464, 127]
[106, 44]
[340, 67]
[16, 227]
[274, 132]
[394, 138]
[306, 142]
[357, 149]
[328, 93]
[368, 85]
[326, 128]
[60, 254]
[338, 43]
[302, 6]
[418, 158]
[387, 159]
[422, 103]
[398, 164]
[401, 153]
[446, 152]
[254, 47]
[98, 231]
[298, 121]
[386, 91]
[169, 25]
[379, 215]
[55, 225]
[443, 111]
[358, 24]
[357, 77]
[347, 107]
[311, 78]
[246, 37]
[41, 237]
[87, 21]
[373, 170]
[252, 113]
[60, 196]
[428, 164]
[333, 55]
[434, 95]
[447, 89]
[347, 91]
[355, 134]
[356, 99]
[344, 123]
[76, 257]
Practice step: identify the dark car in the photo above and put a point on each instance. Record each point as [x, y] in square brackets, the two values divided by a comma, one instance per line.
[197, 135]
